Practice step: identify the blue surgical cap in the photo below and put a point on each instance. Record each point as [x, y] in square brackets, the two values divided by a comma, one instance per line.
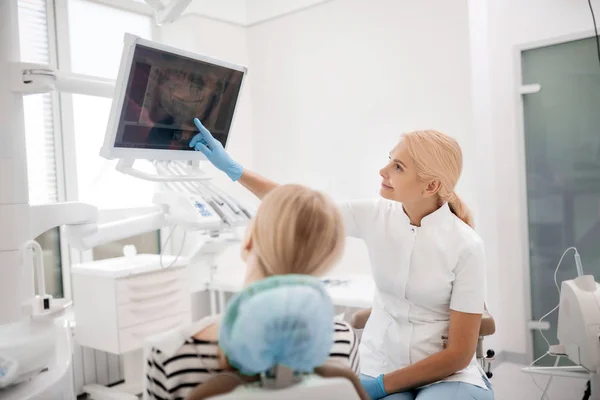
[281, 320]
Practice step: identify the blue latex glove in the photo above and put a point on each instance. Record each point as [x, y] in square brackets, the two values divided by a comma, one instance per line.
[374, 387]
[205, 143]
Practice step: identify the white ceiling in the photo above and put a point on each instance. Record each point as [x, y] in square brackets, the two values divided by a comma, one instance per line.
[247, 12]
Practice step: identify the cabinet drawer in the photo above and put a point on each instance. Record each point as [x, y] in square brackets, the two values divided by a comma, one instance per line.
[152, 286]
[133, 338]
[138, 312]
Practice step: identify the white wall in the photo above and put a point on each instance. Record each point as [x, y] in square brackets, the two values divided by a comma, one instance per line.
[262, 10]
[335, 85]
[233, 11]
[246, 12]
[513, 23]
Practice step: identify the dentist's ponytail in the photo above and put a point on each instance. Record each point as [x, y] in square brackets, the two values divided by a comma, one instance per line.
[460, 209]
[438, 156]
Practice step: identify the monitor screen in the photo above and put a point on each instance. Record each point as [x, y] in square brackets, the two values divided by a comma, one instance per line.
[165, 92]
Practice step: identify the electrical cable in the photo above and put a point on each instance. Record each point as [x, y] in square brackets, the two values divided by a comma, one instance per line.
[545, 390]
[578, 264]
[164, 245]
[541, 319]
[550, 380]
[533, 378]
[558, 289]
[595, 29]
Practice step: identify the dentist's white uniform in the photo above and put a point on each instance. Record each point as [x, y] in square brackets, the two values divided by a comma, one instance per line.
[420, 274]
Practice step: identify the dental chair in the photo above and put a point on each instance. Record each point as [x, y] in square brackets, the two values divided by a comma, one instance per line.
[276, 337]
[310, 387]
[487, 328]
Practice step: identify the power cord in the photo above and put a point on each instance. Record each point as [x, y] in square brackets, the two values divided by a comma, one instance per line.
[164, 245]
[533, 378]
[545, 389]
[550, 379]
[595, 29]
[558, 289]
[579, 273]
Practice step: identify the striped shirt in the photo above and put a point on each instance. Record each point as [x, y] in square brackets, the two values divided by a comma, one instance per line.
[175, 376]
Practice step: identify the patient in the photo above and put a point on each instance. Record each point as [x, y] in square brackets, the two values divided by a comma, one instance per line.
[296, 231]
[295, 334]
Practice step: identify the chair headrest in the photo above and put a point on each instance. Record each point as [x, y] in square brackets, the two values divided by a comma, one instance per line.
[282, 320]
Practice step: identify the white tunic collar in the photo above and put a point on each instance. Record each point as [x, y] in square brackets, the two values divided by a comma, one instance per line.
[437, 217]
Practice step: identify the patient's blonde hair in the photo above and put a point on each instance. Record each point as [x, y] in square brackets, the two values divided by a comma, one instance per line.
[438, 156]
[297, 230]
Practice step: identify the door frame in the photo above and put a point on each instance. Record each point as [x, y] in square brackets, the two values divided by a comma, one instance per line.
[521, 177]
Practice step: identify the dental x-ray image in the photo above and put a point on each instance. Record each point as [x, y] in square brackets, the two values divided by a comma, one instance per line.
[164, 94]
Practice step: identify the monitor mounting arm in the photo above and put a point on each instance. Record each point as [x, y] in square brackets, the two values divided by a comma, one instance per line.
[30, 78]
[192, 173]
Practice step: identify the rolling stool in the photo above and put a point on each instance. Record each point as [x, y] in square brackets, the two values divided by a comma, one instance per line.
[487, 328]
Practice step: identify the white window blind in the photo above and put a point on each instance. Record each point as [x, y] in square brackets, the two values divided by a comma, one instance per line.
[38, 108]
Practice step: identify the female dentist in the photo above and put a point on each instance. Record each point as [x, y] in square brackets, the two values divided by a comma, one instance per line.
[428, 265]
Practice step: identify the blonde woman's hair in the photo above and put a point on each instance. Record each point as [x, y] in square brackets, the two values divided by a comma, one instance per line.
[438, 156]
[297, 230]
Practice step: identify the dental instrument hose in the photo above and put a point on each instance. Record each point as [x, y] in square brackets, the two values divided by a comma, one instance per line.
[163, 247]
[578, 264]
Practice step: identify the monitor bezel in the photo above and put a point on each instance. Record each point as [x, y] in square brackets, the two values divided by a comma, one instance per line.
[108, 149]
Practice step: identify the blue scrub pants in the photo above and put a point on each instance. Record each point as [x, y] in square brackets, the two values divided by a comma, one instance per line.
[444, 391]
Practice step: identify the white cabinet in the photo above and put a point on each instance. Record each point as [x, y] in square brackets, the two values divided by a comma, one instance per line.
[119, 302]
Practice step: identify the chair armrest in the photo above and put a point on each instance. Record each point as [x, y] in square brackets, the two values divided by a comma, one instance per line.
[488, 325]
[359, 318]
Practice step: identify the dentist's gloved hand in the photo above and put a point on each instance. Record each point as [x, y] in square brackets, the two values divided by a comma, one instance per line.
[205, 143]
[374, 387]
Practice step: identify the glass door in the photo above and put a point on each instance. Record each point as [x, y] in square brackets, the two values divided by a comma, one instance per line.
[562, 151]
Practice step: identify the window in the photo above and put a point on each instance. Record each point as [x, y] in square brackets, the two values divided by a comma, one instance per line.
[39, 110]
[96, 51]
[97, 179]
[145, 244]
[64, 132]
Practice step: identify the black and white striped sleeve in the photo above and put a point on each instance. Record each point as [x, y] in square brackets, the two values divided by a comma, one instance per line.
[345, 346]
[173, 377]
[156, 378]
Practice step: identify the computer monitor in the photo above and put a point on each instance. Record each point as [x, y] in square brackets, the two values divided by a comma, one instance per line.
[159, 92]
